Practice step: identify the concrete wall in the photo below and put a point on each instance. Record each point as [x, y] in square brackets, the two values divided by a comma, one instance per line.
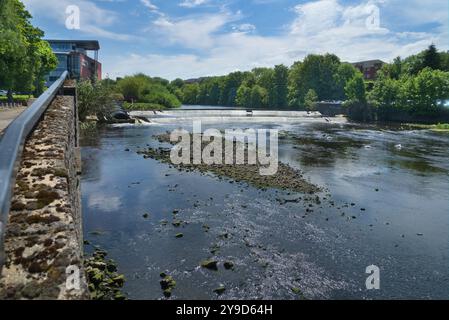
[44, 238]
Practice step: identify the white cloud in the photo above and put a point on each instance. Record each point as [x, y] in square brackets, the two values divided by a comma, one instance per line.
[149, 5]
[93, 19]
[319, 27]
[192, 3]
[244, 27]
[192, 32]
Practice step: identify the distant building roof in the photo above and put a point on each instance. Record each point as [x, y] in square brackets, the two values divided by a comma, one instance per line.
[368, 62]
[83, 44]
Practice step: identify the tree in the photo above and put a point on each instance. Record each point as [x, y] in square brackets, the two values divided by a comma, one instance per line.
[310, 100]
[190, 93]
[24, 57]
[431, 58]
[425, 90]
[244, 96]
[277, 94]
[355, 88]
[358, 108]
[387, 96]
[316, 72]
[258, 97]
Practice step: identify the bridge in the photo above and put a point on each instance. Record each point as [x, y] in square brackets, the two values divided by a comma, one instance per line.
[41, 240]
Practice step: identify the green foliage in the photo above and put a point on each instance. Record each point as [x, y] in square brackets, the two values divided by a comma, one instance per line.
[93, 99]
[424, 91]
[141, 106]
[310, 100]
[144, 89]
[355, 88]
[24, 57]
[325, 74]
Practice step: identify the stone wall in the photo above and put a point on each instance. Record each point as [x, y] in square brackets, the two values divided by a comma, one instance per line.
[44, 239]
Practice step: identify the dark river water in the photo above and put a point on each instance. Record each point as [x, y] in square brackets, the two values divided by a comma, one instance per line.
[386, 205]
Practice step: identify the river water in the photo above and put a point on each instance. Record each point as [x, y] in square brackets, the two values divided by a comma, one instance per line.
[385, 203]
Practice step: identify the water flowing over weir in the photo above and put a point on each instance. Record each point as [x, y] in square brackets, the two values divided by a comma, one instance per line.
[380, 205]
[226, 115]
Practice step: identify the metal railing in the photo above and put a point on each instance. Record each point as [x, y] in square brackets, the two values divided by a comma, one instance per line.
[11, 146]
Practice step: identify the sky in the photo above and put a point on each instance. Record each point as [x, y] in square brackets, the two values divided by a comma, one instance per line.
[194, 38]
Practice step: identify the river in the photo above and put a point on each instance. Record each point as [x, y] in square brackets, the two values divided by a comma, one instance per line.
[387, 200]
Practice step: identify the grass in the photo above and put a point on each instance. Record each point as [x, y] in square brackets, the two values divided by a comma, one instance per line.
[142, 106]
[17, 98]
[440, 127]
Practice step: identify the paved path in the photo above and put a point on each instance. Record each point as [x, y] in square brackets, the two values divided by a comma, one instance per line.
[8, 115]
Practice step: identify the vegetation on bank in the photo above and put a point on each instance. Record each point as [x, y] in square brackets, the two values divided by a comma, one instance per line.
[25, 58]
[414, 86]
[142, 92]
[410, 89]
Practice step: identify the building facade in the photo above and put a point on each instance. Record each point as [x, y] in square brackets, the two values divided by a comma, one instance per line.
[73, 56]
[369, 68]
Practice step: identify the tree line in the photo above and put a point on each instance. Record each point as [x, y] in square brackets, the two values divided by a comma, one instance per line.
[416, 85]
[25, 58]
[317, 77]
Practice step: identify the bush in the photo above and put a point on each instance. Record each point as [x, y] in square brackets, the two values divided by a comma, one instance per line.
[93, 99]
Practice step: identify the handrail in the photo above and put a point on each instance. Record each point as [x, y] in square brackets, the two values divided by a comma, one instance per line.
[11, 146]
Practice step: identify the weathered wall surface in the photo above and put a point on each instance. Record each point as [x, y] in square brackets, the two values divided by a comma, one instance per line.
[44, 232]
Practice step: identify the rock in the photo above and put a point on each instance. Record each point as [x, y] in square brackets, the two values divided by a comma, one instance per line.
[296, 290]
[209, 264]
[228, 265]
[362, 209]
[119, 296]
[419, 234]
[220, 290]
[179, 235]
[145, 215]
[167, 285]
[177, 223]
[119, 280]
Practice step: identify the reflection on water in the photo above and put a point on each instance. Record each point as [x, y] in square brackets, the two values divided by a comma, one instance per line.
[388, 206]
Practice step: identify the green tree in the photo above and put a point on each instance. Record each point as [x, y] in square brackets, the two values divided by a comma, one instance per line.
[310, 100]
[190, 93]
[277, 94]
[355, 88]
[431, 58]
[258, 97]
[317, 72]
[425, 90]
[24, 57]
[244, 96]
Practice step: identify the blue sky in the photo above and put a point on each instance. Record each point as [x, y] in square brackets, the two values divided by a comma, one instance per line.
[192, 38]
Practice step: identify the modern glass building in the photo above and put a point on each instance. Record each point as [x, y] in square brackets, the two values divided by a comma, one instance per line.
[73, 57]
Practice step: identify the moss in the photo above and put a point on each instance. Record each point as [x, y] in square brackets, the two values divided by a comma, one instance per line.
[209, 264]
[36, 218]
[167, 285]
[18, 206]
[45, 197]
[104, 282]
